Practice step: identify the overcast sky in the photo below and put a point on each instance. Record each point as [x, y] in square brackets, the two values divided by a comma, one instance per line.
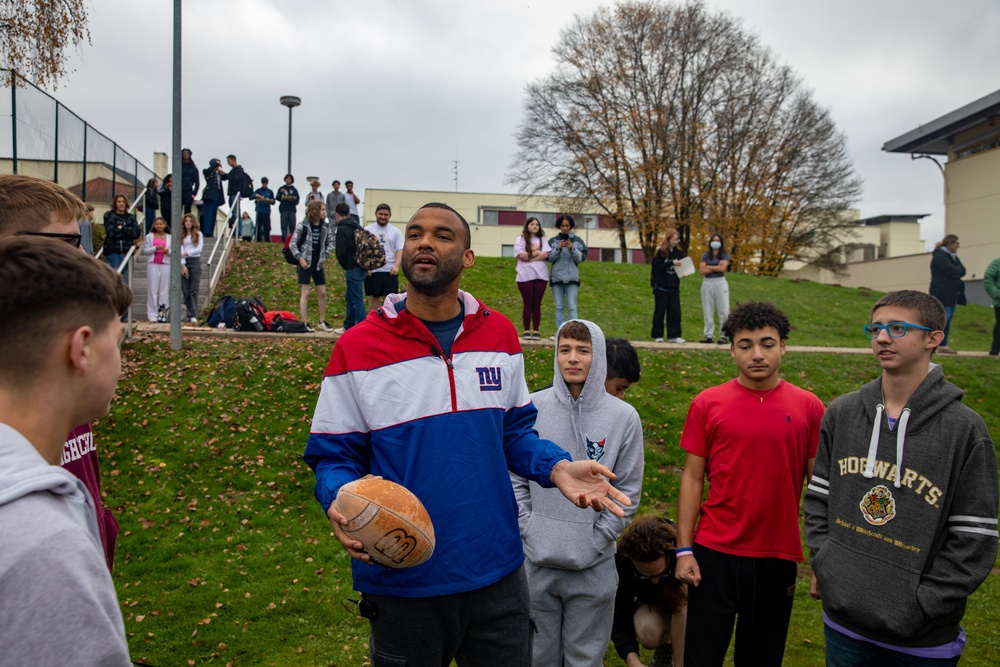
[393, 92]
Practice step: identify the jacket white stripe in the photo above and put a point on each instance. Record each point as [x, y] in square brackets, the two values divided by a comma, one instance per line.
[972, 519]
[970, 529]
[484, 380]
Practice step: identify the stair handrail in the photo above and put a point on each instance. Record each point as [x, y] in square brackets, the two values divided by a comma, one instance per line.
[227, 244]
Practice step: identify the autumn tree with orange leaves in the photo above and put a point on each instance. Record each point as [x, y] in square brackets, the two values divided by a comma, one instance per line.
[36, 34]
[668, 115]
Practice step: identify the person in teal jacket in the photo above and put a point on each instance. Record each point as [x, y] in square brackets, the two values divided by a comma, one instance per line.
[991, 282]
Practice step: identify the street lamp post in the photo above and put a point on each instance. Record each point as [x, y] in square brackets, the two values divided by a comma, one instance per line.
[291, 102]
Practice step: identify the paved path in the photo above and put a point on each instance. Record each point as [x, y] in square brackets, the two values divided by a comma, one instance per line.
[155, 328]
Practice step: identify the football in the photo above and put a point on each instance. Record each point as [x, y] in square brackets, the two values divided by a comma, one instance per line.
[388, 520]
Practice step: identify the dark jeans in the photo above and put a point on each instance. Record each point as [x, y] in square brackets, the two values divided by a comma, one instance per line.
[287, 224]
[354, 297]
[532, 292]
[995, 345]
[488, 627]
[190, 284]
[843, 651]
[949, 312]
[208, 225]
[666, 303]
[263, 226]
[114, 260]
[150, 215]
[754, 593]
[232, 209]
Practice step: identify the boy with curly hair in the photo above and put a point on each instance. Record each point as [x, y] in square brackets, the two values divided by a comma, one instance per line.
[754, 438]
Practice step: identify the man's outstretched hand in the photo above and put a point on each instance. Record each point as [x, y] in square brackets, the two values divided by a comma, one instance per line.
[588, 484]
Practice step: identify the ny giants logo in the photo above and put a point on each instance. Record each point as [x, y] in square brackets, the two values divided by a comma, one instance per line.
[489, 378]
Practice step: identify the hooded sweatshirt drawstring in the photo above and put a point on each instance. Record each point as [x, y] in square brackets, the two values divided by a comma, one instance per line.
[900, 439]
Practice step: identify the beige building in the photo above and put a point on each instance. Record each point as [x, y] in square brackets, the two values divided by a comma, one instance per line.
[496, 220]
[968, 139]
[867, 245]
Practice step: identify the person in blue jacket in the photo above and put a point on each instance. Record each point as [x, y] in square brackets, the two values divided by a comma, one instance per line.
[263, 200]
[429, 392]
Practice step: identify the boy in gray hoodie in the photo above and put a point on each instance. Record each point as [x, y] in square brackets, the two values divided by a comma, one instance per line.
[570, 554]
[57, 601]
[901, 510]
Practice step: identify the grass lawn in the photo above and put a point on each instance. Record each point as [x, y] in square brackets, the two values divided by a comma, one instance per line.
[224, 556]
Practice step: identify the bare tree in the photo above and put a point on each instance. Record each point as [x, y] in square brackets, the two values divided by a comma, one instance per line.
[668, 115]
[35, 34]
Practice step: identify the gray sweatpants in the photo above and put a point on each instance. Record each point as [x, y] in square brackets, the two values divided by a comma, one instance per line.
[714, 296]
[573, 610]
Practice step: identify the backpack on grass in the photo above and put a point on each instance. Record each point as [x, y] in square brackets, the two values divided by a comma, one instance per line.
[222, 312]
[282, 321]
[369, 253]
[248, 315]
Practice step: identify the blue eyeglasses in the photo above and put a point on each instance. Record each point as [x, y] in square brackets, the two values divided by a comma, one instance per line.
[894, 329]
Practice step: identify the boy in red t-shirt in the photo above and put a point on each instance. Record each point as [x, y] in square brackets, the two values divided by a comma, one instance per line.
[755, 439]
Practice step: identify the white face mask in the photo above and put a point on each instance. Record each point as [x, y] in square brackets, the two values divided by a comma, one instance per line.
[715, 245]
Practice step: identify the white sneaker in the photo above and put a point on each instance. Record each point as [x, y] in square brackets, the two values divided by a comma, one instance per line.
[323, 326]
[194, 320]
[676, 340]
[339, 330]
[552, 337]
[658, 340]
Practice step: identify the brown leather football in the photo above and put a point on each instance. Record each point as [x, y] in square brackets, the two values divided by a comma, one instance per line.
[388, 520]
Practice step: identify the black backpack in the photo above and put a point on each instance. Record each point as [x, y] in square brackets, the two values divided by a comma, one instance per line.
[246, 189]
[248, 315]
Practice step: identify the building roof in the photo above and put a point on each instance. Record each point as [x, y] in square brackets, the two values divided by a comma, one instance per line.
[933, 138]
[885, 219]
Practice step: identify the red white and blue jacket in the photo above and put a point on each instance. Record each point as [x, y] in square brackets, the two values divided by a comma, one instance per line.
[448, 429]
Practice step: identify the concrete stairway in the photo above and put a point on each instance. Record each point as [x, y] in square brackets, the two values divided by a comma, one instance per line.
[140, 286]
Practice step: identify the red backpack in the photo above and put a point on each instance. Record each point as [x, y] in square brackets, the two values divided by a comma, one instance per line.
[282, 321]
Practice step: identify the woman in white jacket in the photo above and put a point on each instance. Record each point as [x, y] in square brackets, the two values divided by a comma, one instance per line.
[156, 249]
[192, 243]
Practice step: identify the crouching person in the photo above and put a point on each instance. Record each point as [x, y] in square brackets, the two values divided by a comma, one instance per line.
[651, 605]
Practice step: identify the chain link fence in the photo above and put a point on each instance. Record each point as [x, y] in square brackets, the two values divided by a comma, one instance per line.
[41, 137]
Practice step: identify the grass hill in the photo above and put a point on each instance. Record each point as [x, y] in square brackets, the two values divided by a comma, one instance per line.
[224, 556]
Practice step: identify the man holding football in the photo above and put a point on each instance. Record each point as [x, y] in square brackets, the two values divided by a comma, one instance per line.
[429, 392]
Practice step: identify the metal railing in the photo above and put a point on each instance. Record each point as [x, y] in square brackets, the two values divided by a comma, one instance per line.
[227, 243]
[215, 266]
[40, 137]
[126, 265]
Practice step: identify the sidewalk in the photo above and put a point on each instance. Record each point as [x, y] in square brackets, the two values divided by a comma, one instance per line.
[157, 329]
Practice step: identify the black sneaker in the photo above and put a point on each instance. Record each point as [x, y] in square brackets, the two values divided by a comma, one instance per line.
[663, 656]
[309, 329]
[706, 340]
[527, 335]
[723, 340]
